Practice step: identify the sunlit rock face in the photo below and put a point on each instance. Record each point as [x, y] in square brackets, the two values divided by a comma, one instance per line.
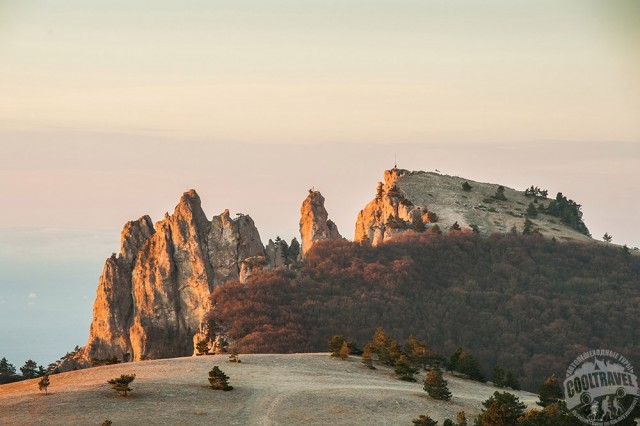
[388, 214]
[314, 222]
[152, 297]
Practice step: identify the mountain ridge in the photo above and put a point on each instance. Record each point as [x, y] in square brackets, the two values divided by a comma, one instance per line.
[153, 296]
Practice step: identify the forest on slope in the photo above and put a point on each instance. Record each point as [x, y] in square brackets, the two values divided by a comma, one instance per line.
[526, 303]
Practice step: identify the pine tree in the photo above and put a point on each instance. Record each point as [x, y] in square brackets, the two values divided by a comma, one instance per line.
[418, 224]
[121, 384]
[511, 381]
[405, 370]
[532, 211]
[218, 380]
[29, 369]
[43, 384]
[424, 421]
[455, 227]
[528, 227]
[294, 250]
[499, 195]
[607, 238]
[6, 368]
[353, 348]
[498, 376]
[501, 409]
[550, 391]
[466, 363]
[466, 186]
[436, 385]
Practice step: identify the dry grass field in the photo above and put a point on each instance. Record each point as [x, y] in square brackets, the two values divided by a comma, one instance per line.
[268, 390]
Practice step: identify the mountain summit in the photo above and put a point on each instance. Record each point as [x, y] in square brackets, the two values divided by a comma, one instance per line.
[425, 201]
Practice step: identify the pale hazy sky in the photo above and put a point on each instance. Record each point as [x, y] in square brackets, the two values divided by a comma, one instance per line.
[111, 109]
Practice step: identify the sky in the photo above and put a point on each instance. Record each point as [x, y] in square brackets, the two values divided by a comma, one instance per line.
[112, 109]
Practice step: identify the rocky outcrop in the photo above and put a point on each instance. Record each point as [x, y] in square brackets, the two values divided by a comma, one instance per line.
[133, 236]
[230, 241]
[152, 297]
[390, 213]
[172, 281]
[314, 222]
[113, 307]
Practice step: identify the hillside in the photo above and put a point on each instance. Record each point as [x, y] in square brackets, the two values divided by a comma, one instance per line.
[444, 195]
[268, 390]
[524, 302]
[416, 201]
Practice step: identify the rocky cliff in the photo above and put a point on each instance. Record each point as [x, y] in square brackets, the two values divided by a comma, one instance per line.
[152, 296]
[314, 222]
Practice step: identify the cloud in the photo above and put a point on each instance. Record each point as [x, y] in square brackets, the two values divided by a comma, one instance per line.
[31, 297]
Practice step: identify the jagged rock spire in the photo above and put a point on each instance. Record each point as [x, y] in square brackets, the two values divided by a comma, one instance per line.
[314, 222]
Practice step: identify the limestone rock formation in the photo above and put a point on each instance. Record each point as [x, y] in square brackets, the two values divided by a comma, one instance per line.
[314, 222]
[172, 281]
[113, 306]
[389, 213]
[152, 297]
[276, 253]
[230, 241]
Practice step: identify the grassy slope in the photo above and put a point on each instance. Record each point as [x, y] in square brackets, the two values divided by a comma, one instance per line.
[268, 390]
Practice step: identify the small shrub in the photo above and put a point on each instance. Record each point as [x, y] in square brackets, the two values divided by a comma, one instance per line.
[218, 380]
[499, 195]
[43, 384]
[424, 421]
[121, 384]
[233, 355]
